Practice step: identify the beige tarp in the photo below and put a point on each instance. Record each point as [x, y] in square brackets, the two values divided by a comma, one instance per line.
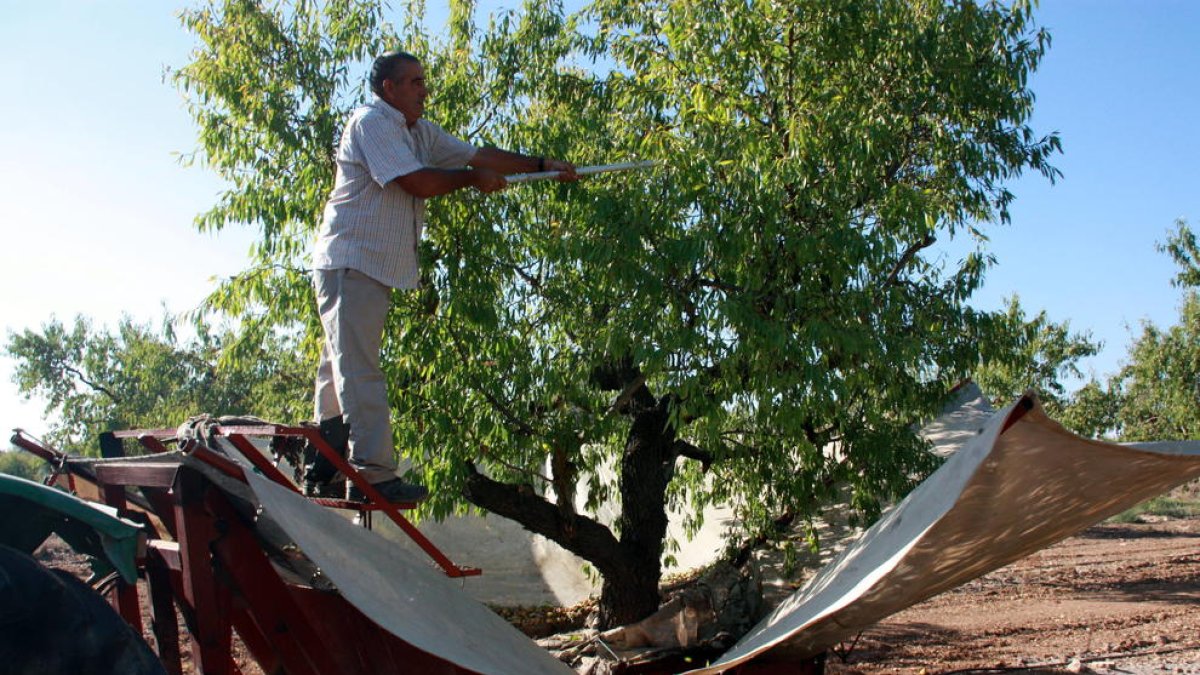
[1021, 485]
[402, 592]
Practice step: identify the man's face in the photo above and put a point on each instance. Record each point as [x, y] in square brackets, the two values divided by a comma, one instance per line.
[405, 90]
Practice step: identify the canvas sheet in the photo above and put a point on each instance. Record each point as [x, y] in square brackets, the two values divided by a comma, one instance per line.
[1022, 484]
[402, 592]
[526, 569]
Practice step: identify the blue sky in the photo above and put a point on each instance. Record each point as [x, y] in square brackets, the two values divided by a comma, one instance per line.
[97, 211]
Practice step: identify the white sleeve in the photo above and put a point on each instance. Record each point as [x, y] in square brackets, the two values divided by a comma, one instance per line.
[447, 151]
[383, 149]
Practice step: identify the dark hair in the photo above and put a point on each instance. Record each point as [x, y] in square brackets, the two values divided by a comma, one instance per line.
[385, 67]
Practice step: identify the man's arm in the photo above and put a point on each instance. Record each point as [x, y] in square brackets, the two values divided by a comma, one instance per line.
[507, 162]
[485, 173]
[430, 182]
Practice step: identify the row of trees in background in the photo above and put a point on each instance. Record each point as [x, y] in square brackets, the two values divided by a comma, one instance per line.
[1154, 396]
[144, 376]
[708, 330]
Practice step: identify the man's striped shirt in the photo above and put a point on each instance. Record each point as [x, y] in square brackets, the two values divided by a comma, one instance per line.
[370, 223]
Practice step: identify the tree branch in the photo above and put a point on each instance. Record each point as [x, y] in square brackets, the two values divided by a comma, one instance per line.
[906, 258]
[719, 285]
[685, 449]
[580, 535]
[562, 469]
[94, 385]
[513, 467]
[621, 404]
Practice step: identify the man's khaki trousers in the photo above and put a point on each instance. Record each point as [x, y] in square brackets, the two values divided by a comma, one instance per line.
[350, 381]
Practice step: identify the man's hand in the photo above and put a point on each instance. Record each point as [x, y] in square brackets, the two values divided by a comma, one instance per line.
[485, 180]
[566, 170]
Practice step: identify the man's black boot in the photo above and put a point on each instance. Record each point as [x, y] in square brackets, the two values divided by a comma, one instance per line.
[394, 490]
[321, 477]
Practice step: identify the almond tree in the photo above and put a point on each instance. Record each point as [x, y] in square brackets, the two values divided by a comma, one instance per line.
[759, 321]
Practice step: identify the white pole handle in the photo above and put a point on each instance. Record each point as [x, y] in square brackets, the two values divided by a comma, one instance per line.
[582, 171]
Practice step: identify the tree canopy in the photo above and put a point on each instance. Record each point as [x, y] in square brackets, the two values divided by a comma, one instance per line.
[1159, 389]
[758, 322]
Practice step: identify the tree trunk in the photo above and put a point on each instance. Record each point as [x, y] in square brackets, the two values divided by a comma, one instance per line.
[631, 564]
[647, 466]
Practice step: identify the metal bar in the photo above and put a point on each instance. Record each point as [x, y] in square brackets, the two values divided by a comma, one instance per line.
[149, 474]
[346, 504]
[55, 458]
[22, 440]
[294, 640]
[126, 602]
[125, 596]
[154, 510]
[110, 445]
[152, 443]
[63, 465]
[160, 434]
[256, 458]
[375, 501]
[162, 608]
[171, 555]
[392, 510]
[167, 552]
[447, 565]
[581, 171]
[259, 430]
[212, 635]
[218, 462]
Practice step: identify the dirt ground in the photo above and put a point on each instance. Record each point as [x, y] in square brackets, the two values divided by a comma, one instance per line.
[1118, 598]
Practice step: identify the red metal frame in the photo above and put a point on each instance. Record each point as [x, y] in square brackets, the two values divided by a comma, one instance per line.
[22, 439]
[162, 561]
[229, 583]
[220, 579]
[238, 436]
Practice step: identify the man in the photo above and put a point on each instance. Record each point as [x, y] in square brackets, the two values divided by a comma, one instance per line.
[389, 161]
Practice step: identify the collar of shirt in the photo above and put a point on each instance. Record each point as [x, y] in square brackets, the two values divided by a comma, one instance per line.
[388, 111]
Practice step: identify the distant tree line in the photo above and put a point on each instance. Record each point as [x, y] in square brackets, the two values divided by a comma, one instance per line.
[96, 379]
[1155, 395]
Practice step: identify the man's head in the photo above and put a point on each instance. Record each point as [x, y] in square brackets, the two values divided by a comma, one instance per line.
[398, 78]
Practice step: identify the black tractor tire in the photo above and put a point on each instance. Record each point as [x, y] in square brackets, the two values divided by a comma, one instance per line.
[52, 623]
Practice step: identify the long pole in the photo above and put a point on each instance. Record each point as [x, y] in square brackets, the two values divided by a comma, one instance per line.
[582, 171]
